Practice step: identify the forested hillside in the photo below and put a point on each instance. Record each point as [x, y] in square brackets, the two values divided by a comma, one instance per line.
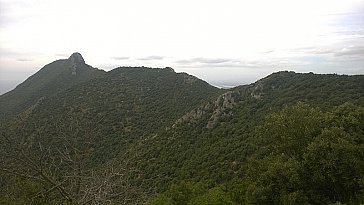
[51, 79]
[233, 141]
[61, 145]
[147, 135]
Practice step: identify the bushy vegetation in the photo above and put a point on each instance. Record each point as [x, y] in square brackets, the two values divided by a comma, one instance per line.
[51, 79]
[143, 135]
[68, 138]
[302, 156]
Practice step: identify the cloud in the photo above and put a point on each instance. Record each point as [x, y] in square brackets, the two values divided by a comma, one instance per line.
[15, 12]
[149, 58]
[182, 62]
[19, 56]
[24, 59]
[201, 60]
[62, 55]
[351, 51]
[120, 58]
[348, 51]
[267, 51]
[212, 60]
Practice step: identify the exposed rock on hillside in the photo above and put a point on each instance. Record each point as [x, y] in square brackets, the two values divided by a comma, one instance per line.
[257, 90]
[76, 60]
[194, 115]
[189, 79]
[221, 108]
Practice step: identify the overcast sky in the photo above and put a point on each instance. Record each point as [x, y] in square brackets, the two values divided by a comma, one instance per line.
[223, 42]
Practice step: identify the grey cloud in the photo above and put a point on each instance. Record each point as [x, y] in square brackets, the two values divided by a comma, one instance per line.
[346, 51]
[19, 56]
[337, 50]
[351, 51]
[321, 51]
[62, 55]
[218, 63]
[267, 51]
[212, 60]
[308, 50]
[303, 48]
[183, 61]
[24, 59]
[352, 34]
[8, 14]
[120, 58]
[9, 52]
[148, 58]
[205, 61]
[350, 19]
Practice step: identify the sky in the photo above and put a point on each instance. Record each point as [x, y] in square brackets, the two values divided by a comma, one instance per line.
[225, 43]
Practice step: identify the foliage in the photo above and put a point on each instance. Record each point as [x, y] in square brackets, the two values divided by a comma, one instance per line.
[192, 194]
[120, 137]
[69, 141]
[51, 79]
[192, 151]
[326, 165]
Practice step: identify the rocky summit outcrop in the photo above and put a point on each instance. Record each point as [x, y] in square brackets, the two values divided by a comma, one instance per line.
[76, 60]
[53, 78]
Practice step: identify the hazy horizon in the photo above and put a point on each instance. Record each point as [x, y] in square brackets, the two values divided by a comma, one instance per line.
[229, 43]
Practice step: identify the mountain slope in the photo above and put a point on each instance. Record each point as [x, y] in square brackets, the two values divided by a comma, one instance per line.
[128, 103]
[134, 132]
[80, 129]
[214, 142]
[51, 79]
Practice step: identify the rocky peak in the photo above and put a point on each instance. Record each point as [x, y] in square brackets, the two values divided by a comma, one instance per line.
[76, 60]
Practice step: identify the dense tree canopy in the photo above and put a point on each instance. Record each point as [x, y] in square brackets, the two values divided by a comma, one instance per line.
[143, 135]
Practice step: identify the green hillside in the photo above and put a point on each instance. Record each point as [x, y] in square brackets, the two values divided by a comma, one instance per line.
[80, 129]
[137, 135]
[233, 147]
[51, 79]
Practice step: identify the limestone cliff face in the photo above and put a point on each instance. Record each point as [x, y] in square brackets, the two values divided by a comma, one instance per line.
[194, 115]
[222, 108]
[217, 110]
[76, 60]
[257, 91]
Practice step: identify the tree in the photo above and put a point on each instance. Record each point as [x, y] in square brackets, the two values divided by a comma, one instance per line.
[57, 161]
[289, 131]
[334, 166]
[307, 156]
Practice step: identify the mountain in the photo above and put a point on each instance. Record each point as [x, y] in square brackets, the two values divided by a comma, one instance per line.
[137, 135]
[125, 104]
[78, 130]
[281, 140]
[210, 141]
[51, 79]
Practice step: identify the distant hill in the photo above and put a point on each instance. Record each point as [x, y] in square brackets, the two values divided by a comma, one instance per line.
[208, 140]
[222, 142]
[137, 135]
[51, 79]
